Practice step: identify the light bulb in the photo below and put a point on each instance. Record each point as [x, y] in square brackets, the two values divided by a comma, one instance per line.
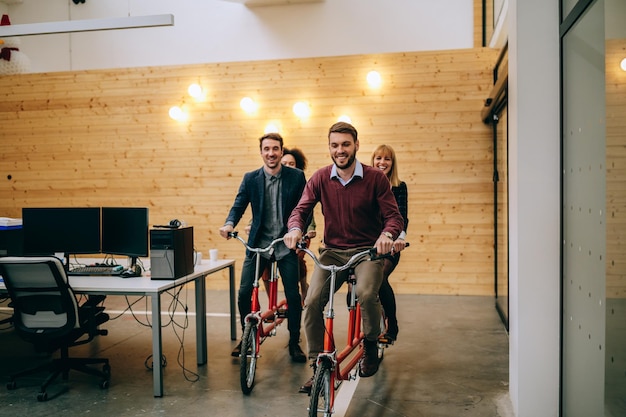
[271, 128]
[374, 79]
[195, 90]
[302, 109]
[178, 114]
[248, 105]
[344, 118]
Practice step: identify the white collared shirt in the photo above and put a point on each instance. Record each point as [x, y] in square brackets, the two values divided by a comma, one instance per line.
[358, 172]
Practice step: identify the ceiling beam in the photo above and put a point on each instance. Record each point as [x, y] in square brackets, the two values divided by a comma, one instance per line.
[89, 25]
[253, 3]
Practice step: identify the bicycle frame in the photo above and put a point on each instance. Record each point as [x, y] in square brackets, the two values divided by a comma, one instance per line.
[354, 336]
[259, 324]
[334, 367]
[275, 313]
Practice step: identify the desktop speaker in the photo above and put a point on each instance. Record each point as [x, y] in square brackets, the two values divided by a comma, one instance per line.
[171, 253]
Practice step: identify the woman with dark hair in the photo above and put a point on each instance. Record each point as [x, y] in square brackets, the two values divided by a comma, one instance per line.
[294, 158]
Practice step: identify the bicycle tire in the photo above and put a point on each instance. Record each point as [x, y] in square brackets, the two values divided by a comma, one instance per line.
[320, 402]
[248, 357]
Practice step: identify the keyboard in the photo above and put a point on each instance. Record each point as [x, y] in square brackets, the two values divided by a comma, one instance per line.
[97, 270]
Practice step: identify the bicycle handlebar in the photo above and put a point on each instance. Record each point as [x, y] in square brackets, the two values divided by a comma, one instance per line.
[388, 254]
[357, 256]
[235, 234]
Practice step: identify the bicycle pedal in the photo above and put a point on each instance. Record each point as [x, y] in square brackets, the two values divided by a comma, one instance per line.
[385, 341]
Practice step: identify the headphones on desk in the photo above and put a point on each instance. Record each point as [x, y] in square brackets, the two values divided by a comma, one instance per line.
[175, 223]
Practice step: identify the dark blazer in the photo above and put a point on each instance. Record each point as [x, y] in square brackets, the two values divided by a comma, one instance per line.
[252, 191]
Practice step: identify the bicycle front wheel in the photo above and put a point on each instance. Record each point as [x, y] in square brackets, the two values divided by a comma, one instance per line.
[248, 357]
[380, 345]
[322, 395]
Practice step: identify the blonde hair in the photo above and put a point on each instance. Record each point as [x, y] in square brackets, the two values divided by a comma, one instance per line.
[386, 150]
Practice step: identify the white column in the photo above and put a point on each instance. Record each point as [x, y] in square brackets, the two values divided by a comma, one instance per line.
[534, 165]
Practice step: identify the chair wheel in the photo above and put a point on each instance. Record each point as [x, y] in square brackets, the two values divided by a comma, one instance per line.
[11, 385]
[104, 384]
[42, 396]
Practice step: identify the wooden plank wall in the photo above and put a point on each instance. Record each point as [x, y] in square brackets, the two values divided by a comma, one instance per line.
[615, 169]
[104, 138]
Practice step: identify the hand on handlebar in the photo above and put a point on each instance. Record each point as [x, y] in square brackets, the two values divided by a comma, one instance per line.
[226, 231]
[292, 238]
[383, 244]
[403, 244]
[399, 245]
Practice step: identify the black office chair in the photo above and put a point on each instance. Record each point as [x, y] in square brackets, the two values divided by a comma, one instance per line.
[46, 314]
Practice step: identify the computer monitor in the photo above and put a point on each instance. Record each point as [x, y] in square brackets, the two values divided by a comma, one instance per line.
[125, 231]
[67, 230]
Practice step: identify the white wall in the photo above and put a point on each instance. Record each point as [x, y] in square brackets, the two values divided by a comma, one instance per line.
[534, 207]
[208, 31]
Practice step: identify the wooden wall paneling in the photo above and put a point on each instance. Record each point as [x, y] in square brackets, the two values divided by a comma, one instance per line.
[104, 138]
[615, 169]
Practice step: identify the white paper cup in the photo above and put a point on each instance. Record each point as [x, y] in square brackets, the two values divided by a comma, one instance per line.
[213, 255]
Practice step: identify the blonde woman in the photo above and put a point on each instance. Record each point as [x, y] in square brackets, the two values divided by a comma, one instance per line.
[384, 158]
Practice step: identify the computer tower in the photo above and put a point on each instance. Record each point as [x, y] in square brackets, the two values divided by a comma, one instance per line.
[11, 241]
[171, 253]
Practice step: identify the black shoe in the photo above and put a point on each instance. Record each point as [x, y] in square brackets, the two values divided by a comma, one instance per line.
[297, 355]
[236, 351]
[308, 385]
[368, 365]
[392, 331]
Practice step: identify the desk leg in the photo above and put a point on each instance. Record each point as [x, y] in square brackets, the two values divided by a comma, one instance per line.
[157, 347]
[233, 314]
[201, 333]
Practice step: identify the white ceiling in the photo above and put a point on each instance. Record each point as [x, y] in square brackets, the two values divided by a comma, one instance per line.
[252, 3]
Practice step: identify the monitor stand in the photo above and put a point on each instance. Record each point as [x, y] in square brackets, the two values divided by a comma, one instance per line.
[66, 265]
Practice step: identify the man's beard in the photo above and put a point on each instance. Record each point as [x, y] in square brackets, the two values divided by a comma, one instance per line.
[349, 162]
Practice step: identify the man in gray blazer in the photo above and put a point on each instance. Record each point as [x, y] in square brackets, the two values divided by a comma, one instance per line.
[272, 191]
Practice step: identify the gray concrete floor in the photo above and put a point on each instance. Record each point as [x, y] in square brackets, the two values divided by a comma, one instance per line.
[451, 359]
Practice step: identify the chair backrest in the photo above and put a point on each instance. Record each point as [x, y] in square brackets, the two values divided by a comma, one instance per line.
[44, 304]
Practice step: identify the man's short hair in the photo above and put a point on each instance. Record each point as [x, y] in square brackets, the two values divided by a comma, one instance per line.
[343, 127]
[273, 136]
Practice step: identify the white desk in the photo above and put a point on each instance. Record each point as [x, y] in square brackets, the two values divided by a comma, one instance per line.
[144, 286]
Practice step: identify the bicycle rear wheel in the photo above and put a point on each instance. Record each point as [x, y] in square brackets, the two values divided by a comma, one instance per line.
[321, 401]
[248, 358]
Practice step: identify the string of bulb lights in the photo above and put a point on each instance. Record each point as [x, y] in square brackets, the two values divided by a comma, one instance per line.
[301, 109]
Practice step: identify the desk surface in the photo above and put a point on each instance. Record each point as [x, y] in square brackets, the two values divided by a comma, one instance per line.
[138, 285]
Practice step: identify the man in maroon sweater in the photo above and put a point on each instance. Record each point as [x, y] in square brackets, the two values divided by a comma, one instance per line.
[360, 212]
